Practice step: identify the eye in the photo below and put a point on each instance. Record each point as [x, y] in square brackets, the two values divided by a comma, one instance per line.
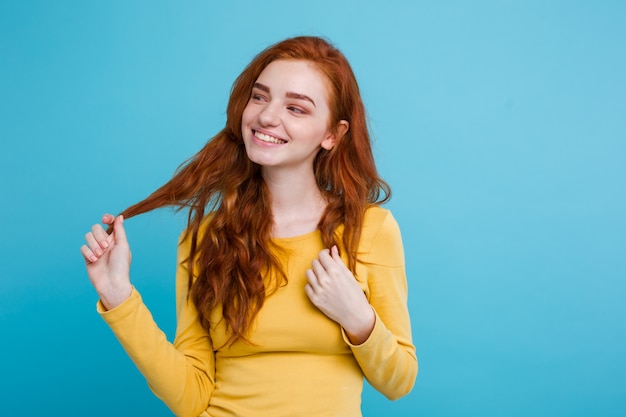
[257, 97]
[296, 110]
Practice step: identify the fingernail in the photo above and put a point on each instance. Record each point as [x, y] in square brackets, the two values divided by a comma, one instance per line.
[104, 244]
[93, 258]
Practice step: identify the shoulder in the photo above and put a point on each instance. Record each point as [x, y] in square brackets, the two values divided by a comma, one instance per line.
[378, 222]
[184, 239]
[376, 215]
[381, 241]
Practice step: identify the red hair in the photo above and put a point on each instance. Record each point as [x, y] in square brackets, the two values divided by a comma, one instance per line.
[231, 248]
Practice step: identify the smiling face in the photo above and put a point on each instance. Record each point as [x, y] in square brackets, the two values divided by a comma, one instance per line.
[286, 120]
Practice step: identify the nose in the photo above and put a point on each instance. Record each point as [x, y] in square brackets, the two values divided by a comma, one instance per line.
[269, 116]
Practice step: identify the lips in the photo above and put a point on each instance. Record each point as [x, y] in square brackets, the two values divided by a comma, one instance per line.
[267, 138]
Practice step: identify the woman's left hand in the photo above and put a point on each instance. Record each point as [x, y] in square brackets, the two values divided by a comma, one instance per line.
[333, 289]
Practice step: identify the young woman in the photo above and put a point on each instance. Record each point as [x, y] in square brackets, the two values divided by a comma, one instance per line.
[291, 284]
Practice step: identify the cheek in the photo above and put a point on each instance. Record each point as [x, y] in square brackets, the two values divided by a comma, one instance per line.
[246, 117]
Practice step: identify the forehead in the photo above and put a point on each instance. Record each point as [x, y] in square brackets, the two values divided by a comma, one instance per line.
[295, 76]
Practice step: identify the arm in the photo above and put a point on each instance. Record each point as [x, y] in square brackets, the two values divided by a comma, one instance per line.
[387, 357]
[372, 312]
[180, 374]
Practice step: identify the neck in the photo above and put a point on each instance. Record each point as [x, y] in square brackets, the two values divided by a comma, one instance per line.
[297, 202]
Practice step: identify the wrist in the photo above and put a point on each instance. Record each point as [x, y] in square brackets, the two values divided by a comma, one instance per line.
[115, 296]
[359, 331]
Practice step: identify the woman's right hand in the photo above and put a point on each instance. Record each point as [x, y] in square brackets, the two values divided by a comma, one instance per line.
[108, 261]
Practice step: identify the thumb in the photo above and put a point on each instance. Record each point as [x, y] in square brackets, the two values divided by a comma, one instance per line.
[119, 231]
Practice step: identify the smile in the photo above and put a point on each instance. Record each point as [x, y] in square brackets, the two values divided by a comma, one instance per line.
[267, 138]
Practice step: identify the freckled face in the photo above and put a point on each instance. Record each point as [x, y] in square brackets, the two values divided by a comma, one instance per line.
[286, 120]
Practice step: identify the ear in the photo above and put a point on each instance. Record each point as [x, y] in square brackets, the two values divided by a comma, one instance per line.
[335, 136]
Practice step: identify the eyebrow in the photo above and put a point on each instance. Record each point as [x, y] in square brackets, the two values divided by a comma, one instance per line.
[289, 94]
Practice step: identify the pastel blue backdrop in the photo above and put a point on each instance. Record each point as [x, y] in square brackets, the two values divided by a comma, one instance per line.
[499, 124]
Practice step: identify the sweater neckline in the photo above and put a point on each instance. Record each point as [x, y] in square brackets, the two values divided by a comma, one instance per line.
[297, 238]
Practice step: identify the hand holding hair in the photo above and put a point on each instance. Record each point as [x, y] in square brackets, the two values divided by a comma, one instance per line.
[108, 261]
[333, 289]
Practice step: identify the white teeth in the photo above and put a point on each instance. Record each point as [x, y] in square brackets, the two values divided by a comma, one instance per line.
[267, 138]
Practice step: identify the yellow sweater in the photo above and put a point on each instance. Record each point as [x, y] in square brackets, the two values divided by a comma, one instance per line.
[301, 363]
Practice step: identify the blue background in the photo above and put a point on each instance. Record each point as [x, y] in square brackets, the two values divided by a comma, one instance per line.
[499, 124]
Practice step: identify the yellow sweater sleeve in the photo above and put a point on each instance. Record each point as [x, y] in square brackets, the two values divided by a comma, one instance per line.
[181, 374]
[387, 358]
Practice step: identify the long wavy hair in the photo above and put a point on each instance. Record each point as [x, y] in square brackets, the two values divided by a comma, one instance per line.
[230, 219]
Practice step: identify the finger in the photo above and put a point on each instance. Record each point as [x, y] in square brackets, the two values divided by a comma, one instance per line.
[337, 258]
[332, 262]
[88, 254]
[312, 279]
[93, 244]
[100, 235]
[108, 218]
[310, 292]
[324, 254]
[119, 231]
[314, 297]
[332, 266]
[325, 259]
[319, 270]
